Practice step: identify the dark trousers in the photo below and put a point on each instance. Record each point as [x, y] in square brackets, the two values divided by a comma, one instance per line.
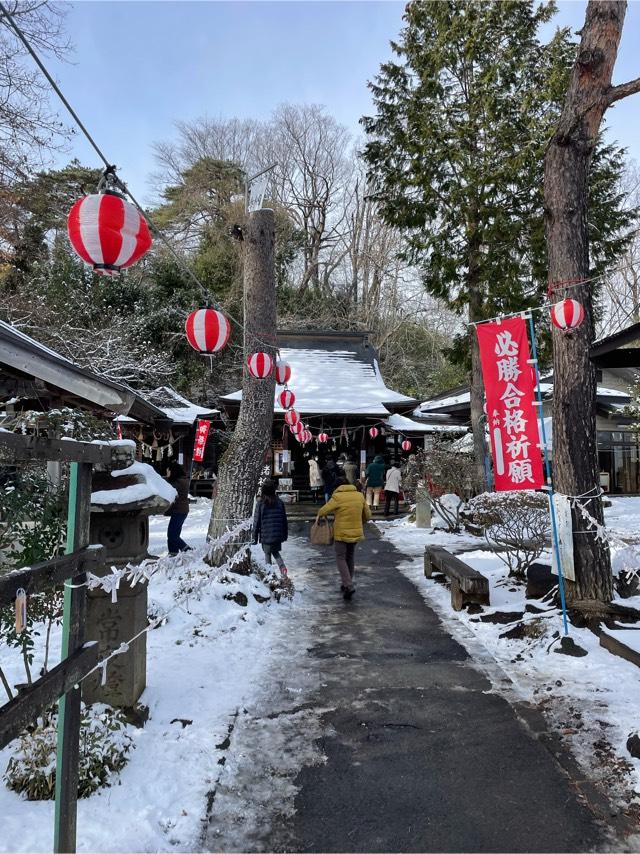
[388, 495]
[344, 560]
[272, 550]
[175, 542]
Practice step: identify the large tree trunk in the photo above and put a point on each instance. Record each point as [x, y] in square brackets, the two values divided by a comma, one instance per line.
[242, 462]
[566, 179]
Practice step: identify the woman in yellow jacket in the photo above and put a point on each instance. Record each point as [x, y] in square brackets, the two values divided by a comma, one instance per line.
[351, 512]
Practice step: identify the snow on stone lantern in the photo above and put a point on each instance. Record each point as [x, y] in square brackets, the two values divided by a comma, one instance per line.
[121, 503]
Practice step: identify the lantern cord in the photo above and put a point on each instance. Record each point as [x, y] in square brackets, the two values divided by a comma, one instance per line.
[110, 170]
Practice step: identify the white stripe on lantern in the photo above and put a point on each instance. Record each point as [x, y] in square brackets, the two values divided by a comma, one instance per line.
[200, 329]
[223, 331]
[128, 233]
[89, 217]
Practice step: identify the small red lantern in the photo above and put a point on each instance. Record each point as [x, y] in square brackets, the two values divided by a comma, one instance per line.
[287, 399]
[567, 315]
[207, 330]
[283, 373]
[291, 417]
[406, 445]
[306, 436]
[373, 432]
[260, 365]
[297, 428]
[322, 437]
[108, 232]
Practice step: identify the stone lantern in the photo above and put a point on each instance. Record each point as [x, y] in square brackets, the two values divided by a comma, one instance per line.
[121, 503]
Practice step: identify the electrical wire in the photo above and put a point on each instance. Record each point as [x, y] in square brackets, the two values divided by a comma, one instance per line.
[110, 170]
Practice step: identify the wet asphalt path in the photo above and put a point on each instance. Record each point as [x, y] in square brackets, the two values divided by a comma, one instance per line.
[421, 755]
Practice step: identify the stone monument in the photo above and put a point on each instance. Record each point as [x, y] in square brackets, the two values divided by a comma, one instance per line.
[121, 503]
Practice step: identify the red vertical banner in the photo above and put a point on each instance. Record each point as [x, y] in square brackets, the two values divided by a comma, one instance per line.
[509, 383]
[202, 433]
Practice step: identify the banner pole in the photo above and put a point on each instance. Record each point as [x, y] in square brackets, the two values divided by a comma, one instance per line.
[547, 468]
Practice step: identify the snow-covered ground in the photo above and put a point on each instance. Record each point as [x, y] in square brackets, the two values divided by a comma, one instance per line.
[205, 665]
[592, 701]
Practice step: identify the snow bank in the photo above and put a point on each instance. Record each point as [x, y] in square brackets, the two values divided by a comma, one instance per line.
[209, 661]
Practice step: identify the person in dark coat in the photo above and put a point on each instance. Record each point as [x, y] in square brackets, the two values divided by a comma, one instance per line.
[270, 526]
[330, 475]
[178, 511]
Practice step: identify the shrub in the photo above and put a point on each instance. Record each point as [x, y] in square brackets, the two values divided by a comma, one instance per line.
[104, 745]
[516, 522]
[444, 474]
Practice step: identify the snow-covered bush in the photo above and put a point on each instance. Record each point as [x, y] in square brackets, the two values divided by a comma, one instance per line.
[104, 745]
[517, 523]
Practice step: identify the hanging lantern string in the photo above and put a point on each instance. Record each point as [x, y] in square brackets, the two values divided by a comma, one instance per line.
[567, 284]
[110, 171]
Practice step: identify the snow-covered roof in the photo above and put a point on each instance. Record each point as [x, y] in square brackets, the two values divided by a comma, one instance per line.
[335, 382]
[402, 424]
[178, 408]
[442, 403]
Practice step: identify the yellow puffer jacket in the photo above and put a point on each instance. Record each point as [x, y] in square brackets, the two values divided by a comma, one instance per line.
[351, 511]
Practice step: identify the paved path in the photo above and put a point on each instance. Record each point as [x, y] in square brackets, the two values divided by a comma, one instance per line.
[421, 755]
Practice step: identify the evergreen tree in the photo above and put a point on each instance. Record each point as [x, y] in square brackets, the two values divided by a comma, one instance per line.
[456, 152]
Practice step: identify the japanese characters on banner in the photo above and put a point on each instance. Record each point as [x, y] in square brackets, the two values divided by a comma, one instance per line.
[509, 383]
[202, 432]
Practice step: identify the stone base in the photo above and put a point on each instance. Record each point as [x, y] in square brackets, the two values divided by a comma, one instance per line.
[111, 624]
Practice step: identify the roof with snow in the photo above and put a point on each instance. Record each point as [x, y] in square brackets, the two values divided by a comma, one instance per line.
[457, 401]
[621, 350]
[25, 362]
[402, 424]
[178, 408]
[334, 373]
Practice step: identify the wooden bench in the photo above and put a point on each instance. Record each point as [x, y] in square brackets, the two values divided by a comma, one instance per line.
[467, 584]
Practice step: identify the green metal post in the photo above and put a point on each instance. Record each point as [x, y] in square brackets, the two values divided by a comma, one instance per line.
[72, 639]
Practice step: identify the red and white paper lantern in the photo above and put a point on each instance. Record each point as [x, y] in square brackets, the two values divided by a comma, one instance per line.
[291, 418]
[406, 445]
[260, 365]
[373, 432]
[283, 373]
[207, 330]
[287, 399]
[323, 438]
[567, 315]
[108, 232]
[297, 428]
[306, 436]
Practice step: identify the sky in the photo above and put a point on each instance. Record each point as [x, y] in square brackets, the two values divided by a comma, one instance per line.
[140, 65]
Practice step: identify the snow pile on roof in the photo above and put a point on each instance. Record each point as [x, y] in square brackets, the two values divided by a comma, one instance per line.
[150, 486]
[178, 408]
[402, 424]
[334, 382]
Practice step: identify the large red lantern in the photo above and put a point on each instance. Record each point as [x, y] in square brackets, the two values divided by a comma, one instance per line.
[287, 399]
[108, 232]
[567, 314]
[373, 432]
[283, 373]
[207, 330]
[406, 445]
[297, 428]
[260, 365]
[323, 438]
[291, 417]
